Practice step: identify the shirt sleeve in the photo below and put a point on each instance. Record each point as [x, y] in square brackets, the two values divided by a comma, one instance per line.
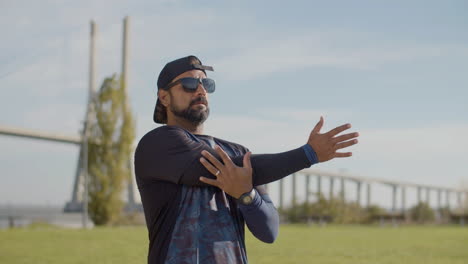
[170, 154]
[167, 153]
[261, 216]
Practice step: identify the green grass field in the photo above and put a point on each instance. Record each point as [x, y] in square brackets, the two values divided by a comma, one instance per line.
[295, 244]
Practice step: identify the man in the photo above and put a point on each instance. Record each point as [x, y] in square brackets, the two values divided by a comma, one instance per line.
[197, 190]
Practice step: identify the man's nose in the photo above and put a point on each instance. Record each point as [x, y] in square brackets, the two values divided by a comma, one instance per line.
[200, 89]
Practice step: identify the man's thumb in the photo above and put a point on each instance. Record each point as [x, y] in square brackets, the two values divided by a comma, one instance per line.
[247, 163]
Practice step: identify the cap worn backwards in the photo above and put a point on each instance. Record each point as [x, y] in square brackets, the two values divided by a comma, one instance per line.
[171, 71]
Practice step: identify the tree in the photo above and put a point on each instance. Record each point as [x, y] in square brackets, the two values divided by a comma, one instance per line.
[422, 213]
[111, 136]
[333, 210]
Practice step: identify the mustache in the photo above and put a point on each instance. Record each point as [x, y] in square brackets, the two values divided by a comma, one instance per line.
[200, 99]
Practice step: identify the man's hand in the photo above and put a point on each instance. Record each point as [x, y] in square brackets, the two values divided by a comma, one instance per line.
[326, 145]
[230, 178]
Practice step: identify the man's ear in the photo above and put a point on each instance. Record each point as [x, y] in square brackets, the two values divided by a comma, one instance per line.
[164, 97]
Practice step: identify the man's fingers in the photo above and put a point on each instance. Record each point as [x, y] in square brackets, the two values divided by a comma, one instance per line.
[343, 154]
[216, 163]
[247, 163]
[209, 167]
[346, 144]
[338, 130]
[345, 137]
[318, 126]
[209, 181]
[226, 159]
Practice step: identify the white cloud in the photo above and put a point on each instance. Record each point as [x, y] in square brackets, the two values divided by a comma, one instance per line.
[252, 54]
[59, 118]
[317, 49]
[439, 142]
[308, 116]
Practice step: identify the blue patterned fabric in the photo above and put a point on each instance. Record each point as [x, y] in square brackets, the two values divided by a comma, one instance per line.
[206, 230]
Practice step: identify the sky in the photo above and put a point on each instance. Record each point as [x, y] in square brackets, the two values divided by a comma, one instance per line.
[397, 71]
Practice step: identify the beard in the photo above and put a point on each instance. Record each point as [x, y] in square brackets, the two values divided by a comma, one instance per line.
[195, 116]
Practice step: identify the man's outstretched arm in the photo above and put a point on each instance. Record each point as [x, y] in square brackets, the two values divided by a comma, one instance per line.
[170, 154]
[268, 168]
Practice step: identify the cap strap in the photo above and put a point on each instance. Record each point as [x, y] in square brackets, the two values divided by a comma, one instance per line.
[202, 67]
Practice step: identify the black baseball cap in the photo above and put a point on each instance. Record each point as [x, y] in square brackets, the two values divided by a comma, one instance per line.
[168, 73]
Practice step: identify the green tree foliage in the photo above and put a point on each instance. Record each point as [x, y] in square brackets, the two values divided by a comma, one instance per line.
[111, 135]
[422, 213]
[333, 210]
[373, 212]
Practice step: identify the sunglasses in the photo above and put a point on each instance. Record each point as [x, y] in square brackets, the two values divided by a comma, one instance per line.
[190, 84]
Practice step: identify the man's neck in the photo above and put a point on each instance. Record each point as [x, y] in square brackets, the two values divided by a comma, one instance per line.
[180, 122]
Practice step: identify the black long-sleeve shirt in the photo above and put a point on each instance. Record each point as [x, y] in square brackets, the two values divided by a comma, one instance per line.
[189, 220]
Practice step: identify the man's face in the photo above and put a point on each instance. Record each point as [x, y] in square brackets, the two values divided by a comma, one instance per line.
[192, 106]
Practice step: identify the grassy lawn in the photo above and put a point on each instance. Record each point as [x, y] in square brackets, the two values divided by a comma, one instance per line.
[296, 244]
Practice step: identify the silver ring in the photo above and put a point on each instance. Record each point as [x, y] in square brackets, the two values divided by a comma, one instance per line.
[217, 173]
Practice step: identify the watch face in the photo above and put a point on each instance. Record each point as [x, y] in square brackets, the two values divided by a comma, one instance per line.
[246, 199]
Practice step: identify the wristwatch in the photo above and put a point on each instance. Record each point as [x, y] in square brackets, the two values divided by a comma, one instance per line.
[247, 198]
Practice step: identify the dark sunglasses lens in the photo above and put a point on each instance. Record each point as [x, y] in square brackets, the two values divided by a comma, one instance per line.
[209, 85]
[190, 84]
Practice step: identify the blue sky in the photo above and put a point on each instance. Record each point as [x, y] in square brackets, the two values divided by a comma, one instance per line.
[397, 72]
